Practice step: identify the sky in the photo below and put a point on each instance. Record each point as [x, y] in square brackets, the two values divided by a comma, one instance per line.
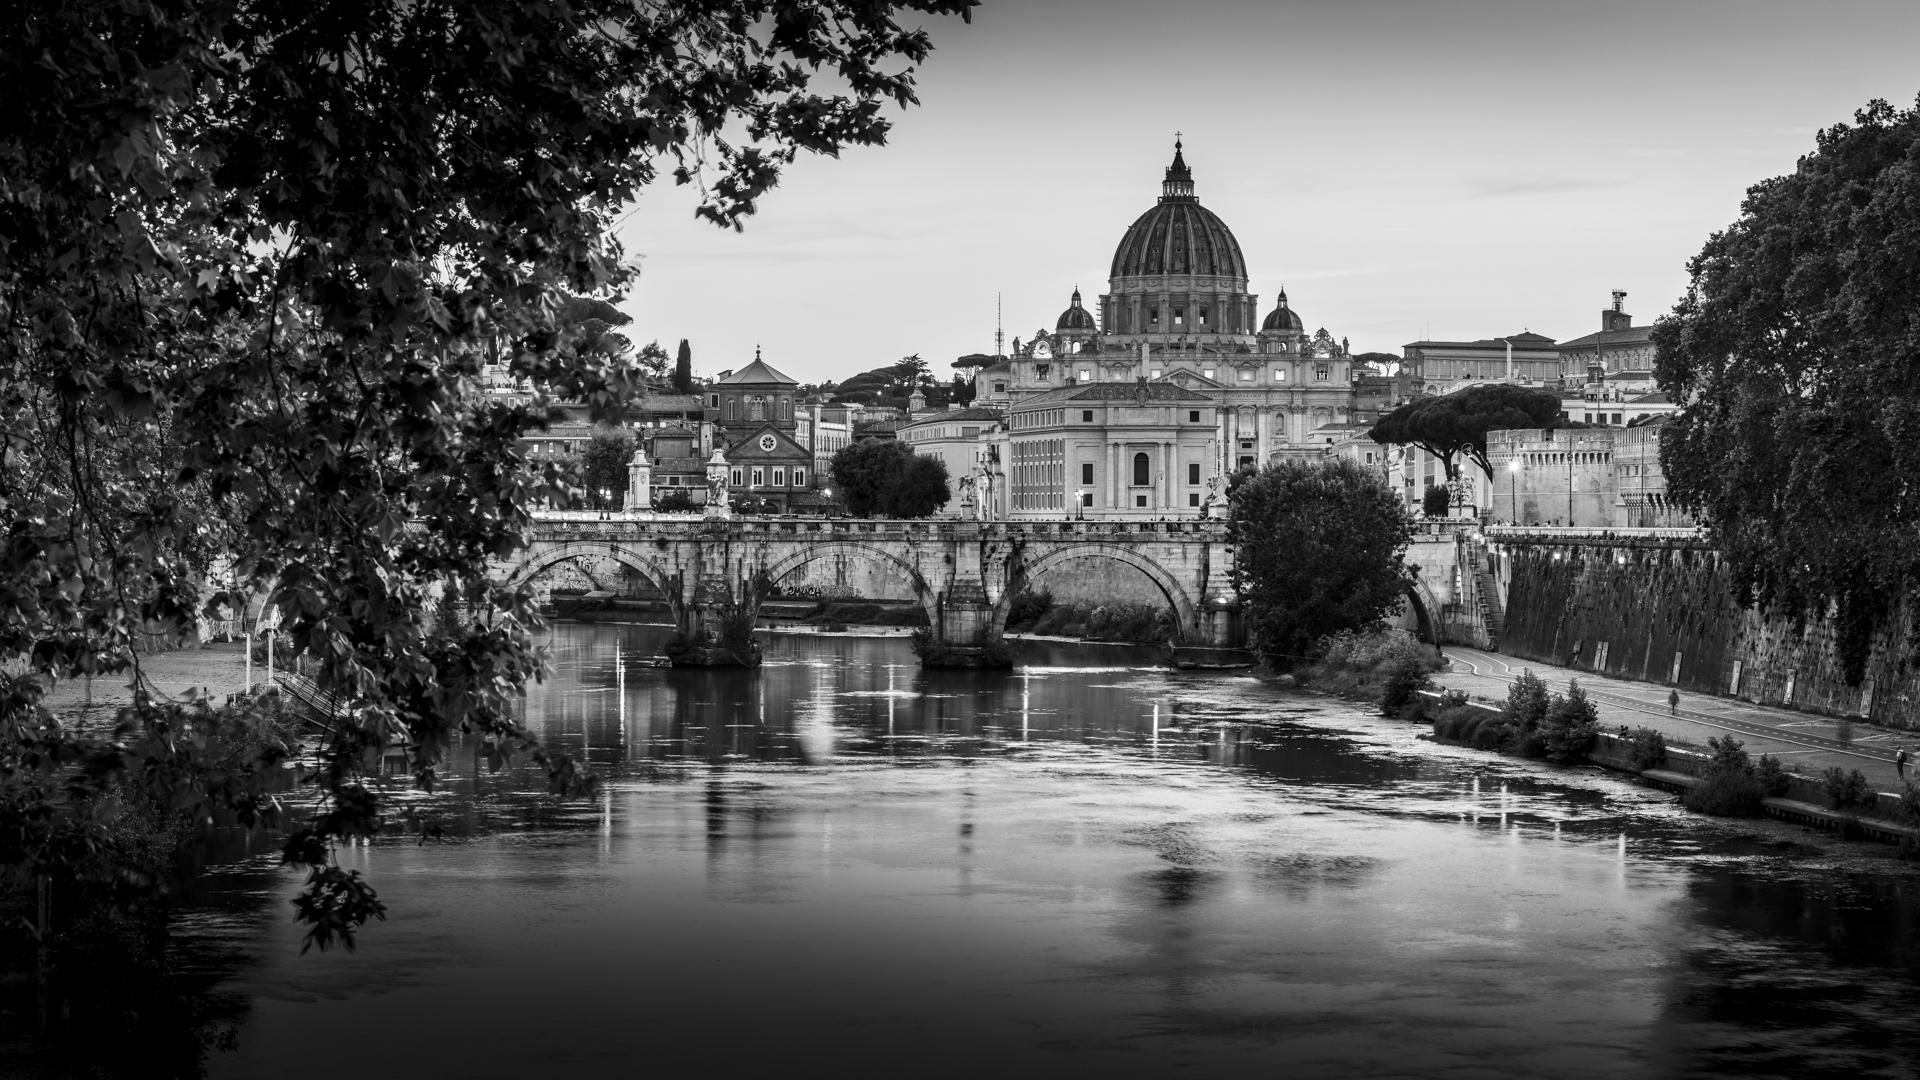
[1406, 169]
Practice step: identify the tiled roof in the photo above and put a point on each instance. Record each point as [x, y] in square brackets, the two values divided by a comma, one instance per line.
[1632, 335]
[1526, 340]
[757, 372]
[971, 414]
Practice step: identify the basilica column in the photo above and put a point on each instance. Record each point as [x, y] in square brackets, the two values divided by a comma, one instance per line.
[1167, 467]
[1262, 426]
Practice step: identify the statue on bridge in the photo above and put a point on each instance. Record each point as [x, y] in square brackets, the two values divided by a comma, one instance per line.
[968, 498]
[718, 508]
[1216, 496]
[983, 508]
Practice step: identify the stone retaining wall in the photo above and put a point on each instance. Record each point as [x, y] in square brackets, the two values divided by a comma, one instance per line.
[1664, 610]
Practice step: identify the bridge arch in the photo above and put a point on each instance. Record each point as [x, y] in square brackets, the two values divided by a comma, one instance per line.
[1186, 614]
[1421, 605]
[551, 555]
[872, 553]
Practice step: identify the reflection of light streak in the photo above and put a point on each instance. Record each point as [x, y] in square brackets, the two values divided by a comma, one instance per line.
[1026, 689]
[606, 822]
[890, 689]
[1156, 727]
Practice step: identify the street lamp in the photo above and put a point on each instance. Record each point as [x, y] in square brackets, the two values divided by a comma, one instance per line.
[1513, 475]
[1569, 481]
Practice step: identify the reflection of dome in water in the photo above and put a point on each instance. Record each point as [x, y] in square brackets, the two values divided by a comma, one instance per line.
[1178, 235]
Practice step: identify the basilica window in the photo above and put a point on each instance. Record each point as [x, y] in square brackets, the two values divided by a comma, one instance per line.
[1193, 472]
[1193, 416]
[1203, 316]
[1086, 472]
[1246, 374]
[1153, 316]
[779, 477]
[1321, 371]
[757, 408]
[730, 408]
[1279, 374]
[800, 478]
[1206, 373]
[1086, 416]
[736, 479]
[1179, 316]
[759, 477]
[1140, 467]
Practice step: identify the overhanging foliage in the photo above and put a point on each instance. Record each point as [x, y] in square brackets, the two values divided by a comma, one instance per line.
[253, 256]
[1796, 356]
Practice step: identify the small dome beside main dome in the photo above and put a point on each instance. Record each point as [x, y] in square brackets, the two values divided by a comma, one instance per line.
[1075, 317]
[1283, 317]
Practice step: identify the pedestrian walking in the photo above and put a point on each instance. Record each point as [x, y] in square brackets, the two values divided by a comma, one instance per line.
[1900, 763]
[1673, 702]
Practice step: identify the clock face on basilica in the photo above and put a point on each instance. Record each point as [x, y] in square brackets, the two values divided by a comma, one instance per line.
[768, 442]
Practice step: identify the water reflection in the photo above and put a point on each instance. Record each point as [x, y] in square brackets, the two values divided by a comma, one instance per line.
[1090, 866]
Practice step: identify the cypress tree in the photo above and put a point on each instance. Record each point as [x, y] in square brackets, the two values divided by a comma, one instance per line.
[683, 369]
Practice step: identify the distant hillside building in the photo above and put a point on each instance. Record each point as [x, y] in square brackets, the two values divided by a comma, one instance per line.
[1618, 356]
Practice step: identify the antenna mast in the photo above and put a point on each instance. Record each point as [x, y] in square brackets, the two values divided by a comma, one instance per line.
[998, 334]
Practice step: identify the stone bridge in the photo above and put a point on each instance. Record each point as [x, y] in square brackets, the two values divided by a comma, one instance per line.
[963, 574]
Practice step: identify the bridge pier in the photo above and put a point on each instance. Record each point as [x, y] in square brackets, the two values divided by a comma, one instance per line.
[716, 619]
[963, 632]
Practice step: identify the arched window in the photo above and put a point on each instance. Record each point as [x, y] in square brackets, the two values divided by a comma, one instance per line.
[1139, 470]
[757, 408]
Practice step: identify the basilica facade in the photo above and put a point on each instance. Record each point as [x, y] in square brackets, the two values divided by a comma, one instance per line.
[1176, 379]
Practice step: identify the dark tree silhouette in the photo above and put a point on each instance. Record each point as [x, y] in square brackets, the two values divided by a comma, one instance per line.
[1456, 425]
[1796, 355]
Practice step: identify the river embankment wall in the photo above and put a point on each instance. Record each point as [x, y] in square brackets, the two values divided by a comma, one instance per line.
[1665, 610]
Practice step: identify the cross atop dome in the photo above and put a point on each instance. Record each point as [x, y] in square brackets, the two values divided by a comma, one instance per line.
[1179, 181]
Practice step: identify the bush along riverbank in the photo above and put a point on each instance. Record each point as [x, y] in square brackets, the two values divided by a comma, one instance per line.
[1381, 666]
[1720, 779]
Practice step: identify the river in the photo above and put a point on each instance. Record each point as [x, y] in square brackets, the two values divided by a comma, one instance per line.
[1091, 866]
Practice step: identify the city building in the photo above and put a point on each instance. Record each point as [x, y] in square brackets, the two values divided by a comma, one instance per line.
[771, 470]
[1618, 356]
[1525, 358]
[1110, 449]
[1178, 311]
[1602, 477]
[956, 437]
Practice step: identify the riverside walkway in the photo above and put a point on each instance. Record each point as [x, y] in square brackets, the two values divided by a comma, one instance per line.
[1805, 743]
